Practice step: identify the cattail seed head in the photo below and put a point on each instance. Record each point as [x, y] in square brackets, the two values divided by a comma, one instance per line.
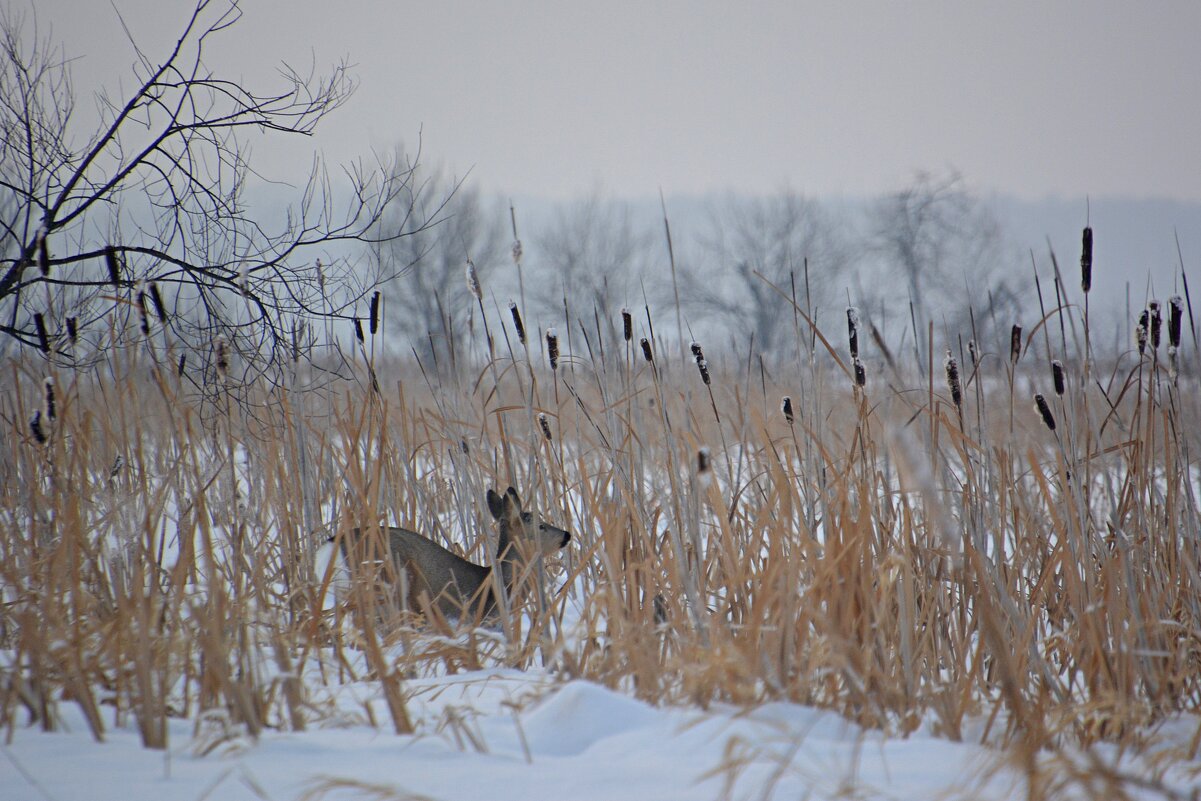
[473, 281]
[51, 402]
[517, 324]
[646, 350]
[73, 330]
[159, 307]
[860, 373]
[374, 311]
[222, 357]
[787, 406]
[1057, 377]
[1015, 344]
[1040, 403]
[1156, 323]
[704, 467]
[544, 423]
[43, 254]
[1175, 320]
[517, 252]
[703, 365]
[973, 354]
[114, 267]
[320, 275]
[697, 354]
[183, 360]
[39, 323]
[145, 324]
[358, 329]
[35, 427]
[552, 348]
[853, 330]
[1140, 331]
[1086, 259]
[627, 325]
[952, 368]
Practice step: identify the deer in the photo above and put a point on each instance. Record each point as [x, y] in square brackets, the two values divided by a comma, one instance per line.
[432, 578]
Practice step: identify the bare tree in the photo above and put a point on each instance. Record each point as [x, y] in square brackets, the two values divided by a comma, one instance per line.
[423, 272]
[754, 241]
[940, 244]
[592, 258]
[142, 223]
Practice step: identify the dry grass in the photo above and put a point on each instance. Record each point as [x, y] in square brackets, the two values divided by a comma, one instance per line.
[889, 553]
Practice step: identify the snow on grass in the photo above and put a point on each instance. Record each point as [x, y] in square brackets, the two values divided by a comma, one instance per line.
[502, 735]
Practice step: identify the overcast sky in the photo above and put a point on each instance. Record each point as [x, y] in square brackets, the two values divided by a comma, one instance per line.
[558, 98]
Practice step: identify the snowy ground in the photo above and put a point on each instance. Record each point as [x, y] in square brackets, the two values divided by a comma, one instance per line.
[502, 735]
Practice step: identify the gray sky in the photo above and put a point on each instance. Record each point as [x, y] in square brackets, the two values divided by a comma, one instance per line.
[559, 98]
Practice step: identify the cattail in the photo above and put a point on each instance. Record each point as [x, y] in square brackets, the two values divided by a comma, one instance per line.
[552, 348]
[39, 323]
[545, 424]
[159, 307]
[517, 252]
[145, 325]
[520, 326]
[320, 276]
[114, 267]
[358, 329]
[1086, 259]
[1156, 324]
[788, 416]
[1140, 332]
[473, 281]
[702, 363]
[697, 354]
[627, 325]
[222, 358]
[1175, 319]
[973, 354]
[35, 426]
[183, 360]
[952, 368]
[1015, 344]
[860, 373]
[242, 281]
[1057, 377]
[73, 330]
[646, 350]
[1044, 410]
[374, 311]
[853, 330]
[704, 467]
[51, 403]
[43, 254]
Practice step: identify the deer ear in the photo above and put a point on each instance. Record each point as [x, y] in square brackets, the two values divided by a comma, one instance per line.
[496, 504]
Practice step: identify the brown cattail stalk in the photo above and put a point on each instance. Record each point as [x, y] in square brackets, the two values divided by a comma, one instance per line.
[552, 348]
[1015, 344]
[39, 322]
[51, 402]
[1040, 403]
[114, 267]
[853, 330]
[159, 307]
[627, 325]
[1057, 377]
[646, 350]
[1086, 259]
[952, 368]
[1156, 324]
[517, 323]
[374, 318]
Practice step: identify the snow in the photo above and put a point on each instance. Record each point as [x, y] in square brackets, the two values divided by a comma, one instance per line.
[503, 734]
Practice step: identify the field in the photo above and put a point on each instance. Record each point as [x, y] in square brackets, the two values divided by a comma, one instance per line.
[898, 566]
